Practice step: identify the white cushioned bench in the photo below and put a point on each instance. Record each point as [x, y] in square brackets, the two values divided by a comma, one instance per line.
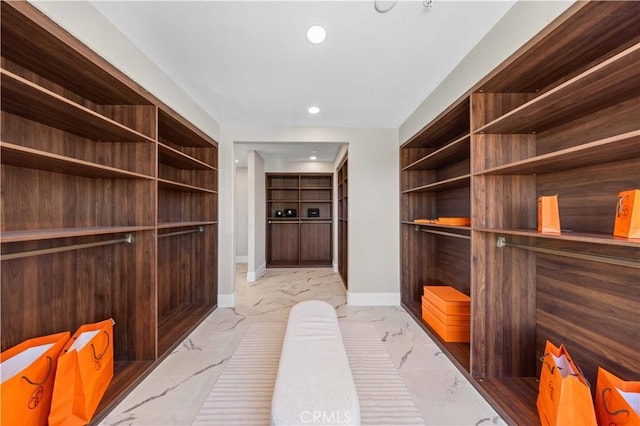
[314, 384]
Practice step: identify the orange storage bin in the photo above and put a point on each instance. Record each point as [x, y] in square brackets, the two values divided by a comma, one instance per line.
[448, 333]
[449, 300]
[446, 319]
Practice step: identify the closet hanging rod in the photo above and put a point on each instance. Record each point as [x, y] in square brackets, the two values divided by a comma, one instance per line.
[190, 231]
[446, 234]
[127, 239]
[619, 261]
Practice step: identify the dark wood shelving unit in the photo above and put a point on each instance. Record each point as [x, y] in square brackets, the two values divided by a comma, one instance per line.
[558, 117]
[299, 241]
[343, 220]
[89, 158]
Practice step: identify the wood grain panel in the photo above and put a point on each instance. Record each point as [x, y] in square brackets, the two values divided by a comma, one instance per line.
[410, 155]
[446, 127]
[453, 263]
[587, 196]
[283, 243]
[452, 170]
[455, 203]
[175, 129]
[593, 309]
[486, 107]
[504, 202]
[141, 118]
[496, 150]
[315, 243]
[199, 178]
[175, 206]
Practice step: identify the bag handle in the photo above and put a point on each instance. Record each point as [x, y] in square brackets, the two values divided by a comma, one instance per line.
[551, 367]
[604, 403]
[46, 377]
[619, 205]
[93, 348]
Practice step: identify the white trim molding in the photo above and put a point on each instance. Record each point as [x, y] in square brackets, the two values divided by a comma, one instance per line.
[373, 299]
[253, 276]
[226, 300]
[242, 259]
[335, 267]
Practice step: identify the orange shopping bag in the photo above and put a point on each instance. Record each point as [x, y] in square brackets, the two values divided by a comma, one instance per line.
[627, 222]
[85, 369]
[564, 396]
[617, 401]
[27, 371]
[548, 215]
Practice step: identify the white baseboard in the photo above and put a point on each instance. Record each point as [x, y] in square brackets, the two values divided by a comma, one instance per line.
[226, 300]
[242, 259]
[335, 267]
[373, 299]
[252, 276]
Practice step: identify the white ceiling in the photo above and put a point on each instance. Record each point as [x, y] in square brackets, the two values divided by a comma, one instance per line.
[287, 151]
[249, 63]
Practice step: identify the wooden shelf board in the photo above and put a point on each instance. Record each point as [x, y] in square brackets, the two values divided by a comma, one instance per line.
[284, 187]
[314, 219]
[315, 263]
[181, 132]
[181, 187]
[518, 396]
[451, 124]
[174, 158]
[316, 188]
[293, 263]
[450, 153]
[603, 239]
[174, 325]
[613, 81]
[615, 148]
[126, 375]
[314, 201]
[453, 183]
[48, 234]
[458, 353]
[435, 225]
[20, 156]
[168, 225]
[28, 100]
[343, 220]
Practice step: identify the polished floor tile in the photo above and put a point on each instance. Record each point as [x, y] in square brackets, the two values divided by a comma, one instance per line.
[174, 392]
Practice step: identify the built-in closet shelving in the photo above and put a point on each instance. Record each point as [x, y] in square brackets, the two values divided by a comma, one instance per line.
[343, 221]
[109, 202]
[558, 117]
[300, 240]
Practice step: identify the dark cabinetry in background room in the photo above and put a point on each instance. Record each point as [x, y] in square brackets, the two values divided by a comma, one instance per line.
[109, 202]
[561, 116]
[343, 221]
[299, 219]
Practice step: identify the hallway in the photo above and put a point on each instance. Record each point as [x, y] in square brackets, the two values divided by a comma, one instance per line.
[174, 392]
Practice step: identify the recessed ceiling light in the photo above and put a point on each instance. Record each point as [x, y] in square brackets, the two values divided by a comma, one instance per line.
[314, 110]
[236, 161]
[316, 34]
[313, 157]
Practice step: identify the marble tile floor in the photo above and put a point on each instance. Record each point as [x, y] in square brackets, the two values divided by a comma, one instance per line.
[174, 392]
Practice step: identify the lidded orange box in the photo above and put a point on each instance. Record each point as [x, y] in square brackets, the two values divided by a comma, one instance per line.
[444, 318]
[448, 333]
[449, 300]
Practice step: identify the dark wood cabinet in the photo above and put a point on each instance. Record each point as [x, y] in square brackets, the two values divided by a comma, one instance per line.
[561, 116]
[343, 221]
[109, 202]
[299, 220]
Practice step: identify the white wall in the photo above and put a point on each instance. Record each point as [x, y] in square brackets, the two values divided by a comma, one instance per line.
[274, 166]
[241, 216]
[257, 216]
[523, 21]
[374, 196]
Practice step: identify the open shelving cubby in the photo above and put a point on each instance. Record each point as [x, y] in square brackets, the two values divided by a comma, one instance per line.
[96, 173]
[558, 117]
[343, 220]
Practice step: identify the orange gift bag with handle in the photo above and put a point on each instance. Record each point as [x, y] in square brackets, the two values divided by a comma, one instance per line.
[548, 215]
[564, 396]
[85, 369]
[617, 401]
[27, 371]
[627, 222]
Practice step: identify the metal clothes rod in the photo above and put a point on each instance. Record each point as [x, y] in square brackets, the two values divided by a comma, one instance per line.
[619, 261]
[283, 221]
[326, 222]
[191, 231]
[127, 239]
[446, 234]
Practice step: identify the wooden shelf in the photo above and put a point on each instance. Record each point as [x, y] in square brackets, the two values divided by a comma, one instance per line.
[316, 188]
[521, 392]
[455, 151]
[443, 185]
[284, 187]
[615, 148]
[292, 263]
[180, 132]
[20, 156]
[314, 219]
[315, 263]
[435, 225]
[49, 234]
[581, 237]
[181, 187]
[23, 98]
[450, 125]
[174, 326]
[180, 160]
[613, 81]
[314, 201]
[169, 225]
